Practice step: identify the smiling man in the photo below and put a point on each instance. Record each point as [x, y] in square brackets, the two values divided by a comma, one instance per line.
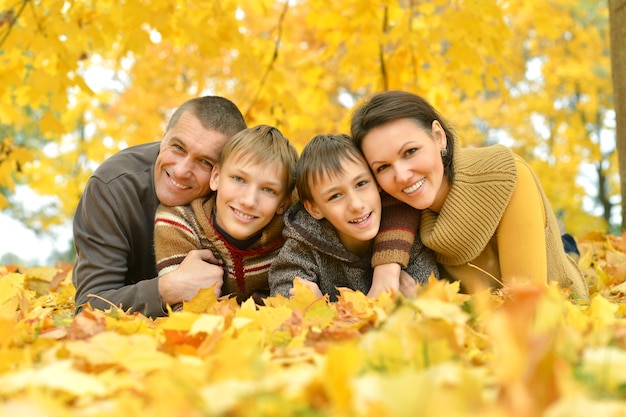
[113, 223]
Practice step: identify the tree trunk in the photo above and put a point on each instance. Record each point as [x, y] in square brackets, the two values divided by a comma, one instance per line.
[617, 21]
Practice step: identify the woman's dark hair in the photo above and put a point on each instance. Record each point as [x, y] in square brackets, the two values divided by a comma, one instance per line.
[388, 106]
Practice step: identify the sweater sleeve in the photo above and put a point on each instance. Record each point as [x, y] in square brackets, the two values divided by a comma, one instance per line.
[398, 229]
[104, 240]
[422, 263]
[174, 237]
[521, 233]
[293, 260]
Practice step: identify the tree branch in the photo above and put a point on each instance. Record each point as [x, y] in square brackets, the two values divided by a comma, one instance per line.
[12, 19]
[411, 16]
[270, 66]
[381, 55]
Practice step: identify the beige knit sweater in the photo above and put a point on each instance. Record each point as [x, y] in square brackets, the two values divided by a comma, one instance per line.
[464, 229]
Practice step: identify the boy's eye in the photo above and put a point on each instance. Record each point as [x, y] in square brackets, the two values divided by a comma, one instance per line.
[269, 190]
[237, 179]
[334, 196]
[362, 183]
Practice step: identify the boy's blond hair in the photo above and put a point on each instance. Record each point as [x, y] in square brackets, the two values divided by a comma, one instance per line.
[263, 145]
[323, 158]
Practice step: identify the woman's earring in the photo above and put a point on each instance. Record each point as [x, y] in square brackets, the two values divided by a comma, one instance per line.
[444, 152]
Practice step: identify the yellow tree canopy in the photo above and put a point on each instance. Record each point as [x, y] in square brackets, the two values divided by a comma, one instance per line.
[81, 79]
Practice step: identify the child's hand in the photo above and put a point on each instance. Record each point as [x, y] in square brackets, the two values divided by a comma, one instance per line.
[311, 285]
[386, 278]
[408, 286]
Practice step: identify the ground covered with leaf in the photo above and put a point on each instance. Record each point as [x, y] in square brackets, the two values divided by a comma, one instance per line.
[522, 352]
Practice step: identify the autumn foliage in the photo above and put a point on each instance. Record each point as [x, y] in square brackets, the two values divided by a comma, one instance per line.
[525, 351]
[81, 79]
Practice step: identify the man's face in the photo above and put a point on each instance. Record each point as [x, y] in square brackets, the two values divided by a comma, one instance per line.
[186, 158]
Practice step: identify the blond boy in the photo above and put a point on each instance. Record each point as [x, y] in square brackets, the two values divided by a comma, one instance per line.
[241, 222]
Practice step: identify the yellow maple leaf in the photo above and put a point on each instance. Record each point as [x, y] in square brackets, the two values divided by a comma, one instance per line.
[268, 318]
[224, 395]
[580, 406]
[448, 389]
[356, 299]
[441, 290]
[342, 364]
[201, 302]
[11, 290]
[133, 352]
[178, 320]
[239, 354]
[303, 297]
[36, 404]
[4, 203]
[606, 365]
[207, 324]
[59, 375]
[601, 311]
[129, 324]
[51, 125]
[436, 309]
[40, 278]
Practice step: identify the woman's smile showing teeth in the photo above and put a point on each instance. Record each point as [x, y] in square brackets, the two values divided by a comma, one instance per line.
[414, 187]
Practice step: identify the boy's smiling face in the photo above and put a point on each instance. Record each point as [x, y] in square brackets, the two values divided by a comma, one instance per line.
[248, 195]
[350, 201]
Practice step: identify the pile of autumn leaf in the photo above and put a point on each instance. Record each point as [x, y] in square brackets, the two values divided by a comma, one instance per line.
[521, 352]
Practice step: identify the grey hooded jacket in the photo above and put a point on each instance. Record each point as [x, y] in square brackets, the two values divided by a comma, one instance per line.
[314, 252]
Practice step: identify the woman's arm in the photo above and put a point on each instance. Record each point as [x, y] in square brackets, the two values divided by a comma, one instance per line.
[392, 246]
[521, 233]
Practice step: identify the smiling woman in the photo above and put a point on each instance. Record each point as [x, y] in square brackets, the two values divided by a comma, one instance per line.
[483, 210]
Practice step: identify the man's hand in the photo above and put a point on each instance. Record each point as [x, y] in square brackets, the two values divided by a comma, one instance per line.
[197, 271]
[386, 278]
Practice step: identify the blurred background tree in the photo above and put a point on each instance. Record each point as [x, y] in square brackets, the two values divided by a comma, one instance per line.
[81, 79]
[617, 13]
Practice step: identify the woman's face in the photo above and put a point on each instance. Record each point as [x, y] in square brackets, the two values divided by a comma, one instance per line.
[406, 160]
